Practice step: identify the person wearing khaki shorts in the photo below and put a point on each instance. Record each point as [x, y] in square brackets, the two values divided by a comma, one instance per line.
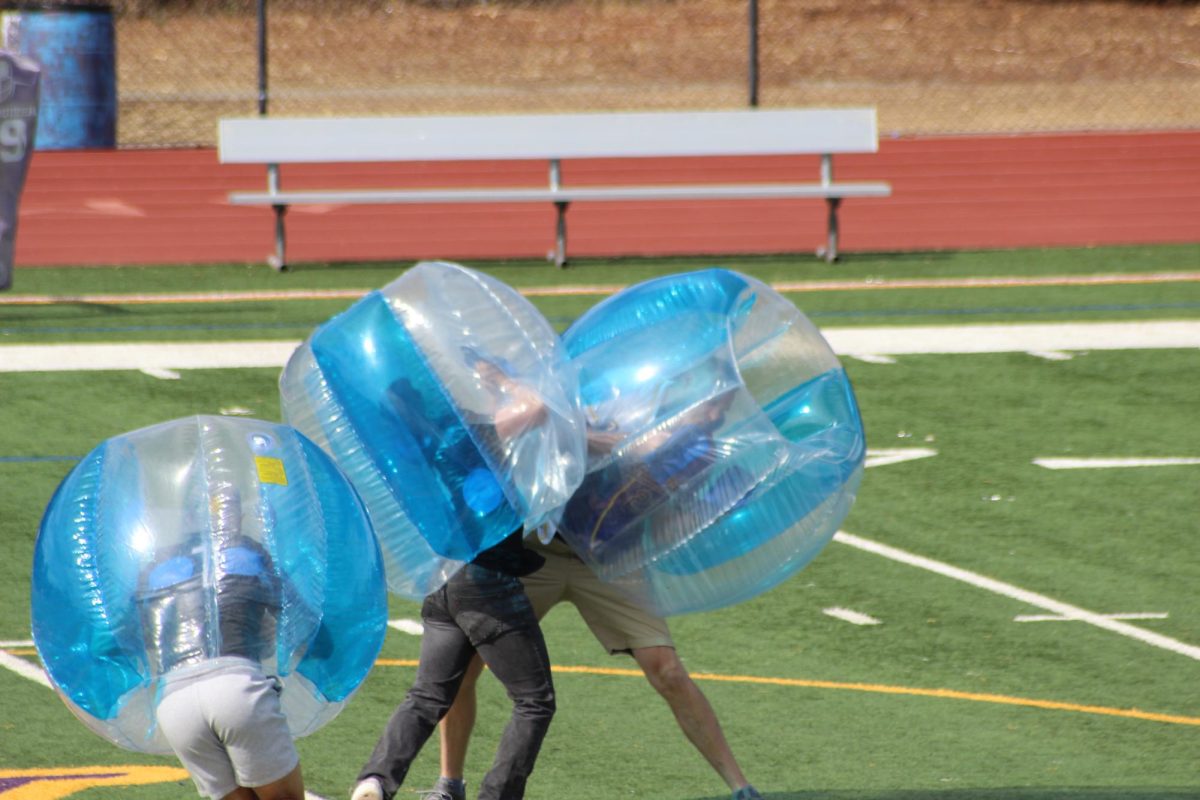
[620, 626]
[617, 623]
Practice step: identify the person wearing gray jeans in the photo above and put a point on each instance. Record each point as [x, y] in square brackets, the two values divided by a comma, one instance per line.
[482, 609]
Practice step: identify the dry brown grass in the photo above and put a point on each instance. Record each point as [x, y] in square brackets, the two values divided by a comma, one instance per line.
[927, 65]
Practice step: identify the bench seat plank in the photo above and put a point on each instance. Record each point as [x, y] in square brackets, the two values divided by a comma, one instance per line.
[288, 140]
[565, 195]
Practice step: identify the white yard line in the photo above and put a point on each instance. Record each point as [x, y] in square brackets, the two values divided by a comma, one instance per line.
[24, 668]
[1023, 338]
[878, 284]
[850, 615]
[869, 342]
[883, 456]
[168, 298]
[1060, 618]
[410, 626]
[1051, 355]
[162, 374]
[1023, 595]
[1114, 463]
[152, 358]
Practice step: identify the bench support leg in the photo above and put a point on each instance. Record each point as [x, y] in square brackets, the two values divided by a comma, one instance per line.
[560, 234]
[831, 245]
[278, 261]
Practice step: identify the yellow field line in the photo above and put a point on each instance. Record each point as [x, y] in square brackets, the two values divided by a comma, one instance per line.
[880, 689]
[866, 284]
[948, 694]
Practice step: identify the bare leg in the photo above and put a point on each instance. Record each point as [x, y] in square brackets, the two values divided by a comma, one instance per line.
[241, 793]
[692, 710]
[289, 787]
[455, 729]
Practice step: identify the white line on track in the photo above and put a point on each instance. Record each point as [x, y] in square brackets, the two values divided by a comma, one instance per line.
[1017, 593]
[938, 339]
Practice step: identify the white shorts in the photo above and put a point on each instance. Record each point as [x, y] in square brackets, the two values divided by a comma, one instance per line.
[228, 729]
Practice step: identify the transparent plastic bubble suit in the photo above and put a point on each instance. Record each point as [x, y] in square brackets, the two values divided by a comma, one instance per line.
[727, 442]
[402, 390]
[176, 550]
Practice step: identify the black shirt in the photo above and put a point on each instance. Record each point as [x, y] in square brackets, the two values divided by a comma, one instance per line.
[510, 556]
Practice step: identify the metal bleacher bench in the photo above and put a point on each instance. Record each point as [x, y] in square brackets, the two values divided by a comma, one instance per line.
[553, 138]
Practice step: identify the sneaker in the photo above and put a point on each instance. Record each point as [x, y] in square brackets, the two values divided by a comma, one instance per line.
[444, 790]
[368, 789]
[747, 792]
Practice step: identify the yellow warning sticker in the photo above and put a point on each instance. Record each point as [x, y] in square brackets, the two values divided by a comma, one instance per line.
[270, 470]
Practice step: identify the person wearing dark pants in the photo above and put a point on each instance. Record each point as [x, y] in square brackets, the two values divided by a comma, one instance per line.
[482, 609]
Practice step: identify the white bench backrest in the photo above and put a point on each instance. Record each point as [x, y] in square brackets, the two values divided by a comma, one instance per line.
[282, 140]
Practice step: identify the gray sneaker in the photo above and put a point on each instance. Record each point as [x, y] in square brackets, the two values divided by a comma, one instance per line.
[445, 790]
[747, 792]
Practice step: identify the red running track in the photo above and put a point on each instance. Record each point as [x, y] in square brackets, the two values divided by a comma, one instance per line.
[169, 206]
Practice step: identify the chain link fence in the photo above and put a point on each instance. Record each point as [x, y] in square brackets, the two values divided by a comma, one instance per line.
[928, 66]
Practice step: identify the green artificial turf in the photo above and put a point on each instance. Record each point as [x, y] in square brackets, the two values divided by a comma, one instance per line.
[814, 707]
[864, 304]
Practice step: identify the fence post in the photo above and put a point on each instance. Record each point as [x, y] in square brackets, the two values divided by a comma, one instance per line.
[262, 58]
[753, 55]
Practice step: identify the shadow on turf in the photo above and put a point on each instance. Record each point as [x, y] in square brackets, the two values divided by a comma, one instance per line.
[1039, 793]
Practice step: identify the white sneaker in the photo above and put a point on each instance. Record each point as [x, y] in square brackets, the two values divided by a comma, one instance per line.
[369, 789]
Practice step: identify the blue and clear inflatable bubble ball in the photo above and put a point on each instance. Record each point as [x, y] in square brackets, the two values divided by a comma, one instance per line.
[726, 442]
[193, 546]
[448, 401]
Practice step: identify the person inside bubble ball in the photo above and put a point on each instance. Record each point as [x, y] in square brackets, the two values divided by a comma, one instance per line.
[218, 710]
[513, 406]
[670, 457]
[508, 408]
[481, 613]
[654, 466]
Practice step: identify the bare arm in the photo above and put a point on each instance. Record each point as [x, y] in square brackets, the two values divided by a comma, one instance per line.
[523, 410]
[601, 442]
